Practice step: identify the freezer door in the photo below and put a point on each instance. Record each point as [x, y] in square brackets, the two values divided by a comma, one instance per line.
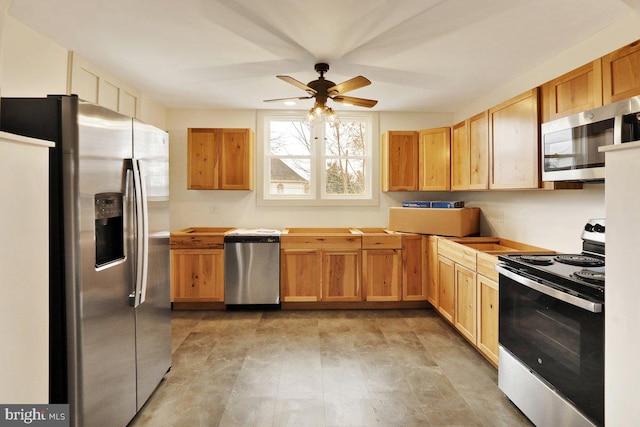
[101, 323]
[153, 315]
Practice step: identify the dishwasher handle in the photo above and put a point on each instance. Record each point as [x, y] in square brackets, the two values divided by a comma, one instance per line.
[251, 239]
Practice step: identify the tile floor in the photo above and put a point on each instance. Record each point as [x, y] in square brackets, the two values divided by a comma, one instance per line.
[324, 368]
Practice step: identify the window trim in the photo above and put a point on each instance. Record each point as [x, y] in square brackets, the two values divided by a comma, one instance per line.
[261, 131]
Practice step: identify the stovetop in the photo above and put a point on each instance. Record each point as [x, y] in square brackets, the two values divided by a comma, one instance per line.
[583, 273]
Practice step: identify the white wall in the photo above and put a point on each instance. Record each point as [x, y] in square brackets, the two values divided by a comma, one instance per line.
[239, 208]
[32, 65]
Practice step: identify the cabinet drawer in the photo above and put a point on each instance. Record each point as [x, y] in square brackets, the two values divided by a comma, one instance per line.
[486, 264]
[320, 242]
[458, 253]
[382, 241]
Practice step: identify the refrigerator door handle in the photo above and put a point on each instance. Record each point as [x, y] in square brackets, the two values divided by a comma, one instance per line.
[145, 234]
[129, 189]
[142, 235]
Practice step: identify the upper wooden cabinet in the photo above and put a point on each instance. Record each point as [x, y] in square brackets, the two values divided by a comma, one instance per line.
[470, 154]
[399, 161]
[514, 140]
[573, 92]
[478, 131]
[220, 159]
[621, 73]
[434, 165]
[460, 157]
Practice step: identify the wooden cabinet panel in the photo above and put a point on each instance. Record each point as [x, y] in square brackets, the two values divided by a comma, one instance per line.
[399, 164]
[300, 275]
[341, 276]
[414, 270]
[236, 159]
[515, 145]
[621, 73]
[465, 302]
[197, 275]
[219, 159]
[382, 274]
[487, 340]
[478, 134]
[573, 92]
[202, 160]
[446, 288]
[460, 157]
[461, 254]
[434, 167]
[432, 270]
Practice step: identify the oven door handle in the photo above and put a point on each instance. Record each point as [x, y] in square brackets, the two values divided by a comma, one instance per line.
[592, 306]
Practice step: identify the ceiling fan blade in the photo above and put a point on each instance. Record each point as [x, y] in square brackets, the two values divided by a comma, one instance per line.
[296, 83]
[359, 102]
[349, 85]
[287, 99]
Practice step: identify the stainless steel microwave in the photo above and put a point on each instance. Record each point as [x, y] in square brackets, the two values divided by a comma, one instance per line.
[570, 144]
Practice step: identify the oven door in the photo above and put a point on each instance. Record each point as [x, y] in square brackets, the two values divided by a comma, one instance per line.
[559, 336]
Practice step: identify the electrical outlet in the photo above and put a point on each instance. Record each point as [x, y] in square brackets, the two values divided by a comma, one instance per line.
[214, 210]
[501, 216]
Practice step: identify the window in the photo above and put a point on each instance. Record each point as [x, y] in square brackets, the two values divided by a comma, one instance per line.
[319, 164]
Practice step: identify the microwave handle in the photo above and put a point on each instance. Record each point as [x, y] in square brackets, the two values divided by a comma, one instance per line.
[594, 307]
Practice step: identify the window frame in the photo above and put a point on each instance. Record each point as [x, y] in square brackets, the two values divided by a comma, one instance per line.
[318, 196]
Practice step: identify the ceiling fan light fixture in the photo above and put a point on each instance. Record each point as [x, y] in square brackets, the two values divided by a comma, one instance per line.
[321, 113]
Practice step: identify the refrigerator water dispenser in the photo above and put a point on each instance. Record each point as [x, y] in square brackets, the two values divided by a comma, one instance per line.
[108, 228]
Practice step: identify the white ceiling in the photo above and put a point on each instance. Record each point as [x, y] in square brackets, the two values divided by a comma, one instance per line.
[421, 55]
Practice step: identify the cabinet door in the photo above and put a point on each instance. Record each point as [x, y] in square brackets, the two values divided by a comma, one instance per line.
[446, 288]
[620, 73]
[478, 134]
[399, 161]
[434, 168]
[382, 274]
[465, 302]
[414, 281]
[574, 92]
[197, 275]
[300, 275]
[432, 270]
[236, 159]
[202, 160]
[460, 158]
[487, 342]
[341, 276]
[515, 146]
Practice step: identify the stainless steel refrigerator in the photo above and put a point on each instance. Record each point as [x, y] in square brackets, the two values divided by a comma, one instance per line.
[110, 312]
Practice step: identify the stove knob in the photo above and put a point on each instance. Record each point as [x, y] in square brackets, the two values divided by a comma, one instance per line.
[588, 227]
[598, 228]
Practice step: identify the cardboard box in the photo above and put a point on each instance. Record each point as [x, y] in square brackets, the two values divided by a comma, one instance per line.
[444, 222]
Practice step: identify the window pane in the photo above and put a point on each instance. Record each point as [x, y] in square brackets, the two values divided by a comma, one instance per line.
[346, 138]
[345, 176]
[289, 177]
[289, 138]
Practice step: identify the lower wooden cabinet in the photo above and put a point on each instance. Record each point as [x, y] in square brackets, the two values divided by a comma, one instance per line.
[382, 274]
[197, 275]
[414, 267]
[341, 276]
[446, 288]
[300, 275]
[487, 339]
[432, 270]
[465, 302]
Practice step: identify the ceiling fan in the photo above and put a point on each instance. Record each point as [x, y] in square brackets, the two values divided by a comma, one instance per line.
[322, 90]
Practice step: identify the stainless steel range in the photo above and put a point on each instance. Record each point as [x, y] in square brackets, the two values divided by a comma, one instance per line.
[551, 332]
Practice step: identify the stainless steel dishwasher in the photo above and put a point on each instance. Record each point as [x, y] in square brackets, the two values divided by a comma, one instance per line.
[252, 267]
